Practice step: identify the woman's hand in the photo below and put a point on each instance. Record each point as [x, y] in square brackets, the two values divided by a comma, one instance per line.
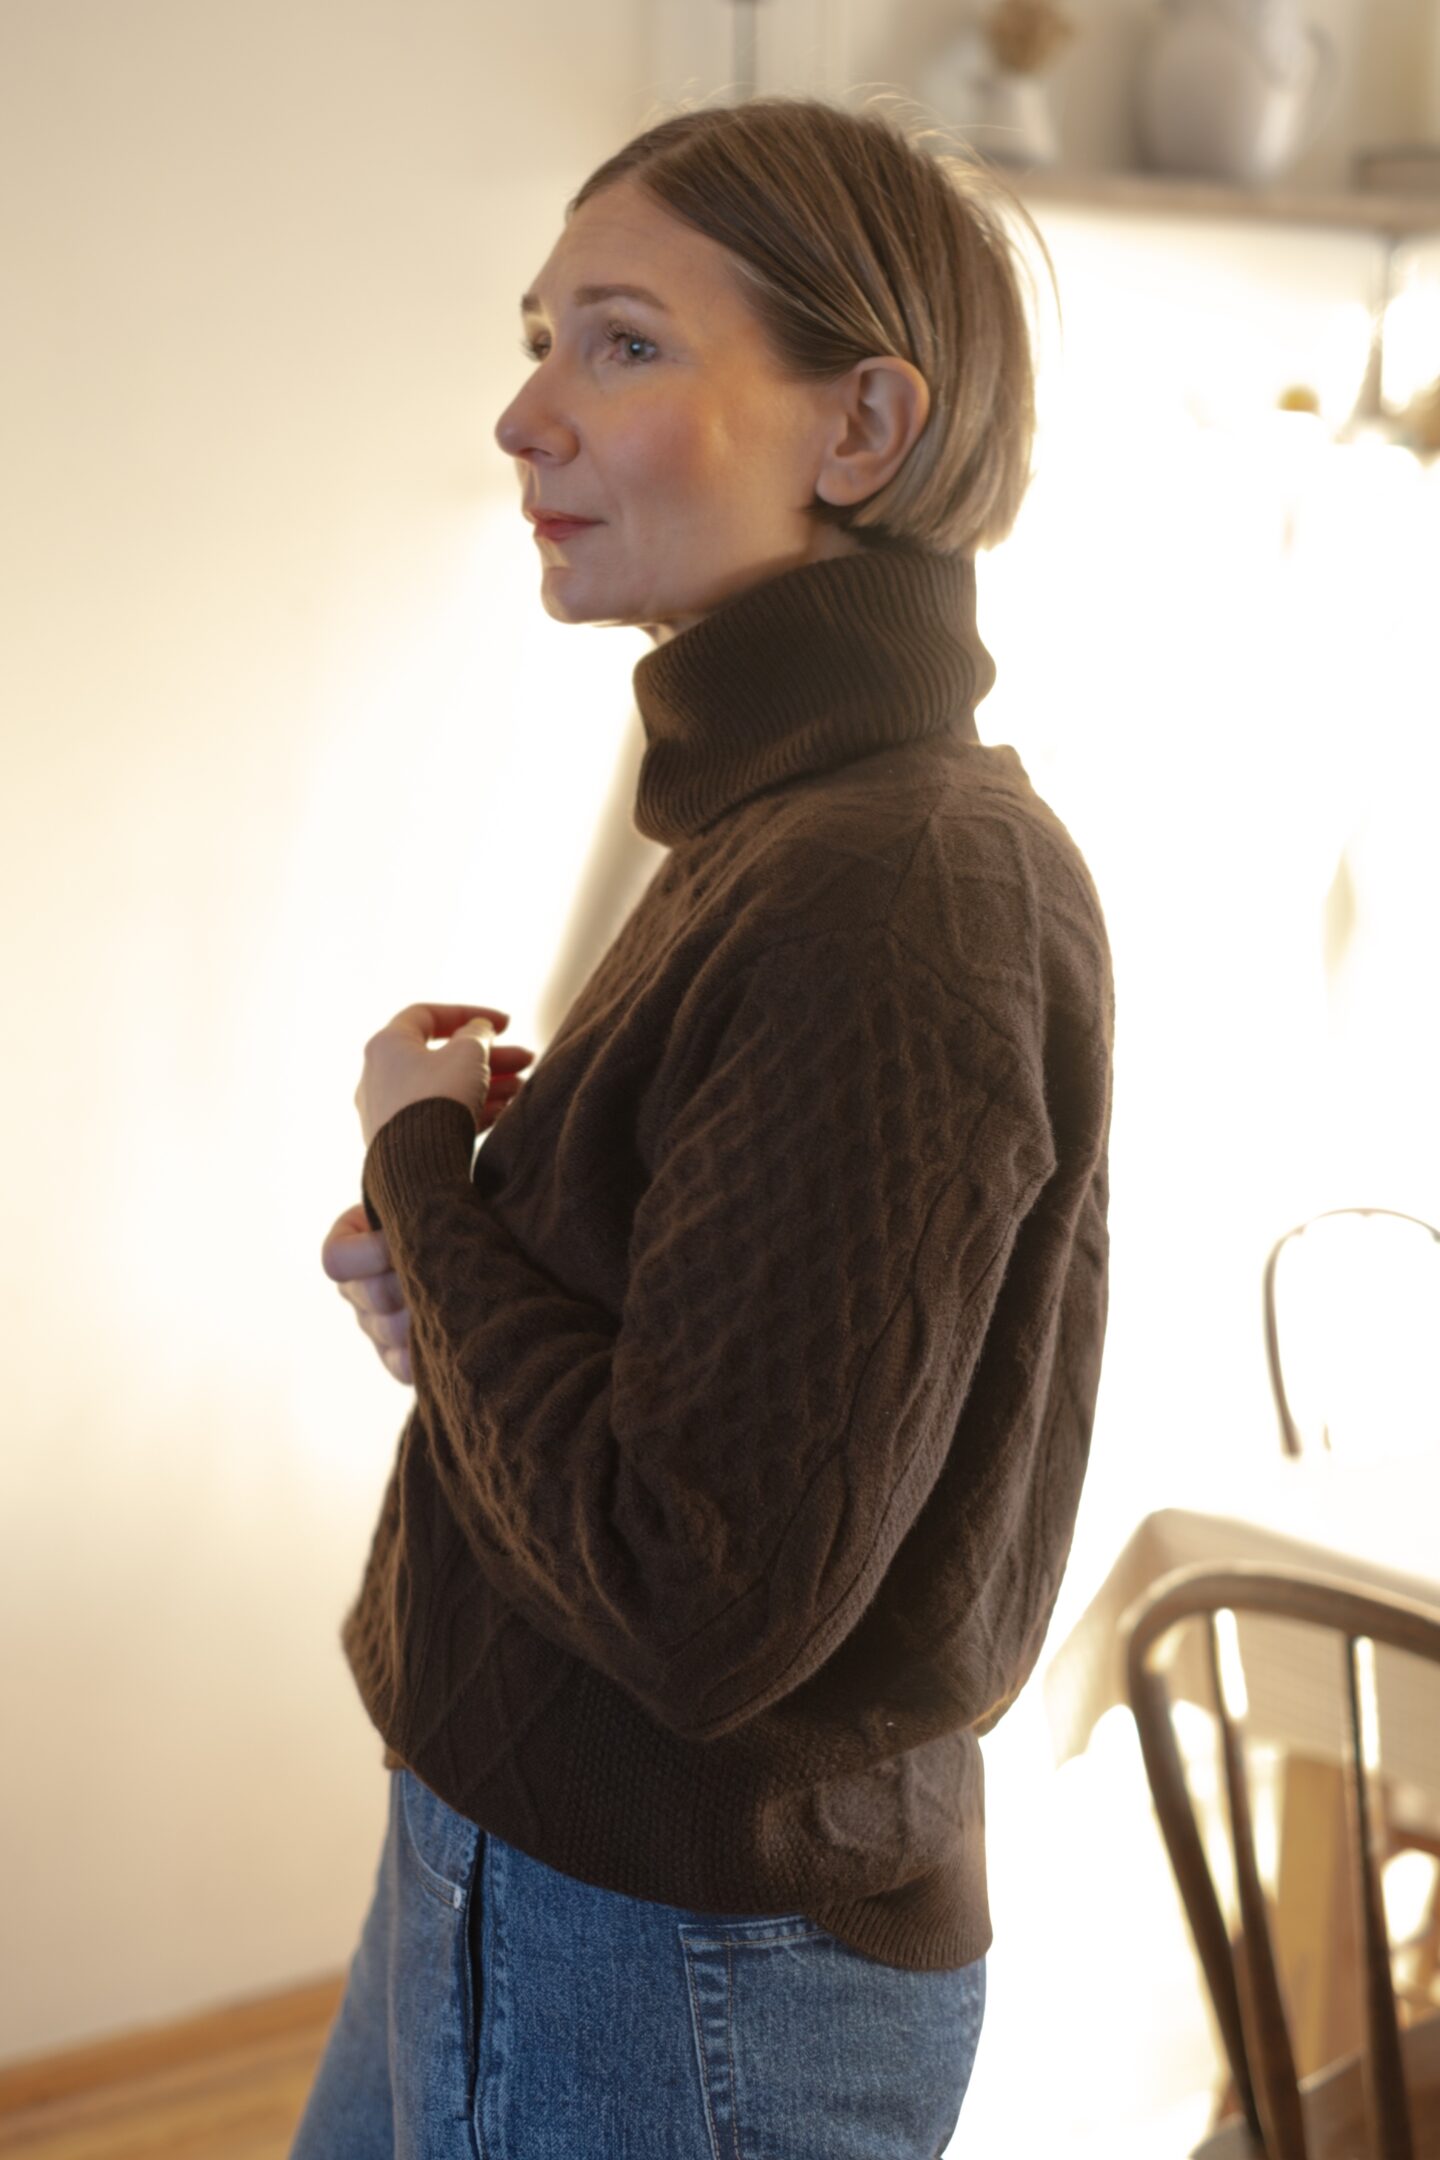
[401, 1069]
[358, 1258]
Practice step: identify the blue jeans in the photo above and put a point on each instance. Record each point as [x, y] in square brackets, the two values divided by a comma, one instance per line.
[498, 2010]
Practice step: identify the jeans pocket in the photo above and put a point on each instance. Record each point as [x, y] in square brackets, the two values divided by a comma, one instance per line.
[806, 2047]
[440, 1844]
[431, 1986]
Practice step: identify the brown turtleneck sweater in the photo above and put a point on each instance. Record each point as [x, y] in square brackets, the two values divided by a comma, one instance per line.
[756, 1348]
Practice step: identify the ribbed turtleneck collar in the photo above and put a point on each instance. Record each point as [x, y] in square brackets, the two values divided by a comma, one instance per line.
[829, 661]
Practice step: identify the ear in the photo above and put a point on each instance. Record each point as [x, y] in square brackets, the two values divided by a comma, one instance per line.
[879, 408]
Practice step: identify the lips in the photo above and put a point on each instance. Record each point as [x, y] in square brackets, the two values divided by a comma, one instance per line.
[559, 528]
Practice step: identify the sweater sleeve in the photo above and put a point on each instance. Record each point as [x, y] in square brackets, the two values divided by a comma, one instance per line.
[701, 1498]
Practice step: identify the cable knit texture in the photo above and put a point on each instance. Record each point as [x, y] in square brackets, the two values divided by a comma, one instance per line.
[756, 1347]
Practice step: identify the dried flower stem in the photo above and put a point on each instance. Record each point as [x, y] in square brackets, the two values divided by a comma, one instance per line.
[1024, 34]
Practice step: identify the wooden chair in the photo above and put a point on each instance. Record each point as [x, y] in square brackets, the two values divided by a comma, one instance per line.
[1373, 1262]
[1384, 2102]
[1377, 1258]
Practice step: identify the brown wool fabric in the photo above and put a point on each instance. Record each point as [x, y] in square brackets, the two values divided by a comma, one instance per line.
[756, 1348]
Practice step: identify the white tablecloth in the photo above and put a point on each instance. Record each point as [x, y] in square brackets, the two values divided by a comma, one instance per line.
[1375, 1526]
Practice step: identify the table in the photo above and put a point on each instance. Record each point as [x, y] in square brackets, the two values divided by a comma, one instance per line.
[1374, 1525]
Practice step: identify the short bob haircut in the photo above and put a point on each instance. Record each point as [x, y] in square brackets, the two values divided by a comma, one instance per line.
[853, 239]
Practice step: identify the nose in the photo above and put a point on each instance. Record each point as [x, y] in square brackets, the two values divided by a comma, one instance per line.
[527, 429]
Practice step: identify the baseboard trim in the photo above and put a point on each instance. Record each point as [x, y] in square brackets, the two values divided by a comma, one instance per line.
[151, 2048]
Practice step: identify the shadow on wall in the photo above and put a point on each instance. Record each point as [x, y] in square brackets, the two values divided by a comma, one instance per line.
[620, 863]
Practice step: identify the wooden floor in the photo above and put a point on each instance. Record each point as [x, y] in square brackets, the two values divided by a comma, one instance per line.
[232, 2086]
[228, 2086]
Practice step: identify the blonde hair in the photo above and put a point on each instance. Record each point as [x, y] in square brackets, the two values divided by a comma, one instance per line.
[853, 239]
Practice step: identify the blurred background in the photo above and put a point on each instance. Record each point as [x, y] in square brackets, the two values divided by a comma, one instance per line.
[290, 743]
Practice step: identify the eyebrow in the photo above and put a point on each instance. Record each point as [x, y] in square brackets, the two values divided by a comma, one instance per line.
[590, 295]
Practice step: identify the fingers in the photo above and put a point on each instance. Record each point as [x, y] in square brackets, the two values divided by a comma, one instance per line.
[351, 1250]
[358, 1259]
[433, 1020]
[398, 1362]
[375, 1293]
[390, 1333]
[505, 1085]
[387, 1330]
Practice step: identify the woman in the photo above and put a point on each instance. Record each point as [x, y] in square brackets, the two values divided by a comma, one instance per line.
[755, 1355]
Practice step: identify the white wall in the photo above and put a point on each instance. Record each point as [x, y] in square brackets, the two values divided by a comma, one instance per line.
[289, 743]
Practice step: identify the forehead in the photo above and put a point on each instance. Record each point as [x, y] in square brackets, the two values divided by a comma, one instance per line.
[623, 236]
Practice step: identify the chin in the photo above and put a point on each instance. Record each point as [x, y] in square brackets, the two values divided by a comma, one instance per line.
[561, 609]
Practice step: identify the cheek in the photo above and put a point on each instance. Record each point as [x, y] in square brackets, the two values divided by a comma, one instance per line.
[674, 448]
[761, 442]
[671, 447]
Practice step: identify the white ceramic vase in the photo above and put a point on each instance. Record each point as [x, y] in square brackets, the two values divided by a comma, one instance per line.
[1006, 115]
[1014, 124]
[1232, 89]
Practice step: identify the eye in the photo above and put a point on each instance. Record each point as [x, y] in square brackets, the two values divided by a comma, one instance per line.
[616, 334]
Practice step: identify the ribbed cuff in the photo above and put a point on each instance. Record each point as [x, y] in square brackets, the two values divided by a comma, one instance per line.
[423, 1145]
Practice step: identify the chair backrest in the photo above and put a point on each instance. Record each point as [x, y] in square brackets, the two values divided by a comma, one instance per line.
[1363, 1293]
[1241, 1976]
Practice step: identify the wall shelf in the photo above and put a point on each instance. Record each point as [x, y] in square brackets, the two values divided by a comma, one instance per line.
[1166, 195]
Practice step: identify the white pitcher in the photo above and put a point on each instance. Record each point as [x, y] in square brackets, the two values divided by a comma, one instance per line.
[1233, 89]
